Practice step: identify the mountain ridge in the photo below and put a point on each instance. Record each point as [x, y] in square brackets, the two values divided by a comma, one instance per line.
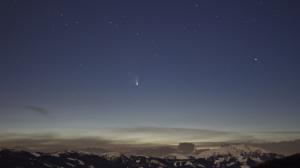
[10, 158]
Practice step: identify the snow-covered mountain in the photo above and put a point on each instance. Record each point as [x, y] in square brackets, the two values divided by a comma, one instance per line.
[224, 157]
[243, 156]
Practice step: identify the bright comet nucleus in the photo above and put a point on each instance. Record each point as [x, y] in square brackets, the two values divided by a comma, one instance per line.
[136, 83]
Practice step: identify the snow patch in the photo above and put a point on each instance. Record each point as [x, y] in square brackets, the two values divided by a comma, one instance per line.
[111, 155]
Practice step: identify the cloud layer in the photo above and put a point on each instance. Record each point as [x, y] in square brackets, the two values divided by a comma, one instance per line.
[18, 108]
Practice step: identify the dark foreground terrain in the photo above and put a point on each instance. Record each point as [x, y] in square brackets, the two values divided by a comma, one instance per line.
[287, 162]
[229, 157]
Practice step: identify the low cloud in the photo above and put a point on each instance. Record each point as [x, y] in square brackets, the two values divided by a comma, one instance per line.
[126, 139]
[165, 135]
[284, 147]
[37, 109]
[144, 135]
[115, 139]
[18, 108]
[52, 142]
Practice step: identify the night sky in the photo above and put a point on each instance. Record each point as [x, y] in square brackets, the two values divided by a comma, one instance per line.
[145, 67]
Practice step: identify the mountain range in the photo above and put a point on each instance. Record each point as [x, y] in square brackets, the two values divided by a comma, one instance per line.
[232, 156]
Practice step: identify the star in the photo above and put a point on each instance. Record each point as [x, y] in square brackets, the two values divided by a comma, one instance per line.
[260, 2]
[255, 59]
[77, 22]
[138, 34]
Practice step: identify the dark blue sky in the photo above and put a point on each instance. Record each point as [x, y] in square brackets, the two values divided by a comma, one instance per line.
[205, 64]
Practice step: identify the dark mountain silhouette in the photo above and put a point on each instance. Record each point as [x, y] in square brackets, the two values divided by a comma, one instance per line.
[287, 162]
[226, 157]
